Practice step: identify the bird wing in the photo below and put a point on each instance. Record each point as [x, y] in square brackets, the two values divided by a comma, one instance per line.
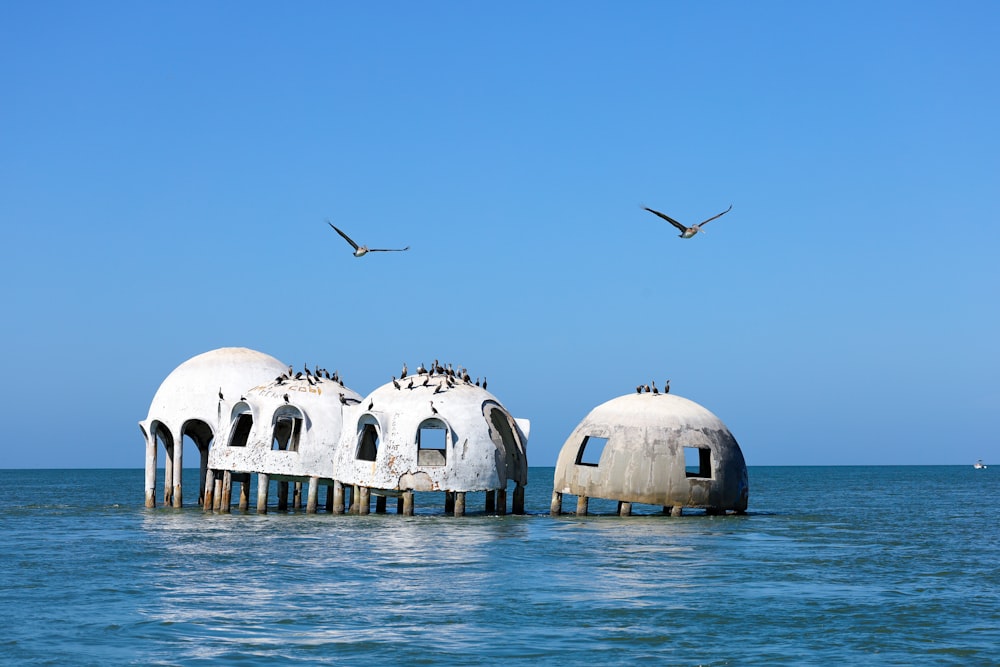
[667, 218]
[388, 249]
[715, 216]
[346, 237]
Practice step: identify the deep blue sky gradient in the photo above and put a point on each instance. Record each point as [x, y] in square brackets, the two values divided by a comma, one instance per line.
[166, 170]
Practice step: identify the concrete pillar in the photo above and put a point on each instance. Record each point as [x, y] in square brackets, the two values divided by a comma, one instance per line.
[459, 503]
[517, 504]
[354, 499]
[338, 497]
[624, 508]
[449, 502]
[178, 495]
[380, 504]
[209, 499]
[151, 470]
[407, 503]
[555, 507]
[168, 474]
[245, 492]
[297, 496]
[329, 498]
[202, 470]
[501, 501]
[282, 496]
[227, 491]
[364, 500]
[313, 495]
[217, 504]
[581, 505]
[491, 502]
[676, 510]
[263, 481]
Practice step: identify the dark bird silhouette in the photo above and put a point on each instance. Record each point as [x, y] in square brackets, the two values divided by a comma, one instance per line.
[220, 394]
[371, 404]
[666, 387]
[648, 389]
[285, 397]
[638, 389]
[310, 380]
[362, 250]
[655, 390]
[394, 383]
[343, 399]
[410, 386]
[688, 232]
[434, 410]
[427, 381]
[280, 379]
[402, 373]
[484, 383]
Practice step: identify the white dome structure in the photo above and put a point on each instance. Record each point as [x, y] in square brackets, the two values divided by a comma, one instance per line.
[657, 449]
[286, 430]
[434, 433]
[192, 401]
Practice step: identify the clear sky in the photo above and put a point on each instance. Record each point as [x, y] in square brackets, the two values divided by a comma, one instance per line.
[166, 170]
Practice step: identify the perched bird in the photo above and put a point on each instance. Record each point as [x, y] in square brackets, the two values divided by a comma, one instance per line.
[648, 389]
[280, 379]
[655, 390]
[666, 387]
[343, 399]
[638, 389]
[285, 397]
[410, 386]
[434, 410]
[362, 250]
[220, 394]
[427, 381]
[371, 404]
[402, 373]
[688, 232]
[394, 383]
[484, 383]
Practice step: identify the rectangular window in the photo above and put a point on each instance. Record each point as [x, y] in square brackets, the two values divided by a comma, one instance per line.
[698, 462]
[432, 445]
[590, 450]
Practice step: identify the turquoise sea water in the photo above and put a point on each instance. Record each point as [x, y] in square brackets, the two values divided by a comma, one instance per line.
[832, 565]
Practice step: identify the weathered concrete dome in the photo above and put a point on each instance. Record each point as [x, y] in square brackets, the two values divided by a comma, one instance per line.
[432, 438]
[659, 449]
[188, 404]
[191, 391]
[289, 429]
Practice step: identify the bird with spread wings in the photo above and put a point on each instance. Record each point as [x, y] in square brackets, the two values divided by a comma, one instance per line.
[688, 232]
[362, 250]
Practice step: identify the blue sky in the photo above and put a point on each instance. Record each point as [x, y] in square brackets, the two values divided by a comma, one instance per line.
[166, 170]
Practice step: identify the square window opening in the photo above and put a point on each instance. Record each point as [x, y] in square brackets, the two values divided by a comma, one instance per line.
[698, 462]
[590, 450]
[432, 446]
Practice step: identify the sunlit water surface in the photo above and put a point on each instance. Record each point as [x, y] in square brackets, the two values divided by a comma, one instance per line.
[832, 565]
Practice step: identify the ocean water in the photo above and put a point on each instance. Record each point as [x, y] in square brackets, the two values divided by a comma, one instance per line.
[831, 565]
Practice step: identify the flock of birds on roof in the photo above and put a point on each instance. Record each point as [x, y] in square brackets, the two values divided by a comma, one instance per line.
[651, 388]
[686, 232]
[447, 377]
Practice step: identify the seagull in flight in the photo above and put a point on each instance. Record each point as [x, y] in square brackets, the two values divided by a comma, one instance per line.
[688, 232]
[362, 250]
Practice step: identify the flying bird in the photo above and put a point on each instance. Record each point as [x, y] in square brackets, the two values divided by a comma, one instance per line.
[688, 232]
[362, 250]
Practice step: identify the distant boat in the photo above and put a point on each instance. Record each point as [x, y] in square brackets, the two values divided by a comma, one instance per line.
[979, 465]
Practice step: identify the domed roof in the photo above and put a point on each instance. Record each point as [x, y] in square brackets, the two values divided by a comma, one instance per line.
[193, 387]
[655, 410]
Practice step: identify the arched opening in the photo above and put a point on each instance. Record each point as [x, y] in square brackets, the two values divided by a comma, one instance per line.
[199, 434]
[432, 443]
[241, 424]
[286, 429]
[504, 434]
[368, 439]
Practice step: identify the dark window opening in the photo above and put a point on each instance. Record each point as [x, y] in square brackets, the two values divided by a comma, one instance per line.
[432, 444]
[698, 462]
[368, 443]
[590, 450]
[241, 431]
[286, 433]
